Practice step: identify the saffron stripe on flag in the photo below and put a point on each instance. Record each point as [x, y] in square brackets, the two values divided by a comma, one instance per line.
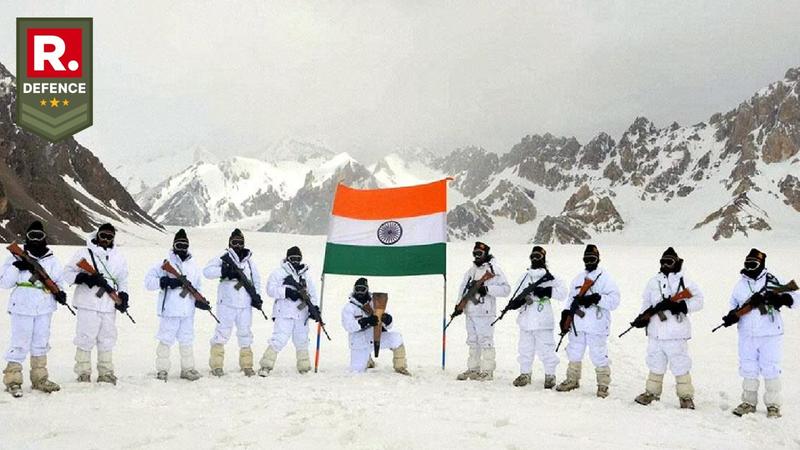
[385, 260]
[392, 203]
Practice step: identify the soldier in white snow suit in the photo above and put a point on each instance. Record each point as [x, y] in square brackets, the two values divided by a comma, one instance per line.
[31, 308]
[96, 318]
[592, 329]
[289, 312]
[668, 339]
[760, 333]
[176, 312]
[358, 320]
[234, 306]
[480, 313]
[535, 318]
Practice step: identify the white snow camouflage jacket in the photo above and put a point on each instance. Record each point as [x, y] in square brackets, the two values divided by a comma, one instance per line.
[284, 307]
[30, 299]
[110, 263]
[359, 339]
[169, 302]
[754, 324]
[597, 318]
[496, 287]
[660, 287]
[538, 315]
[227, 294]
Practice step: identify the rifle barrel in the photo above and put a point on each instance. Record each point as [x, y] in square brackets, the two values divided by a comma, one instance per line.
[718, 327]
[626, 331]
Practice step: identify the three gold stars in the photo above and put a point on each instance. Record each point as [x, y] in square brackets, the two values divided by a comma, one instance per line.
[54, 102]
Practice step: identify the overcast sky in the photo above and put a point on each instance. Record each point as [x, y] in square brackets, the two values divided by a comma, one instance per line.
[370, 77]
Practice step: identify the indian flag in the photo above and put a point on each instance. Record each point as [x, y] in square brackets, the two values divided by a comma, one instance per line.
[388, 232]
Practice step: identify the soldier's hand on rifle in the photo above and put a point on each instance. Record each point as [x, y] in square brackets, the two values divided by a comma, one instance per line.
[315, 313]
[678, 307]
[23, 265]
[229, 272]
[542, 292]
[386, 319]
[588, 300]
[169, 283]
[292, 294]
[123, 305]
[256, 302]
[730, 318]
[778, 301]
[60, 297]
[456, 312]
[640, 322]
[482, 291]
[562, 324]
[663, 305]
[757, 299]
[90, 280]
[367, 322]
[289, 281]
[202, 305]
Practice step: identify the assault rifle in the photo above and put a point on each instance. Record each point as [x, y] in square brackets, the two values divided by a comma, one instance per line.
[748, 305]
[574, 309]
[104, 288]
[470, 294]
[648, 313]
[39, 274]
[305, 302]
[525, 292]
[243, 282]
[187, 287]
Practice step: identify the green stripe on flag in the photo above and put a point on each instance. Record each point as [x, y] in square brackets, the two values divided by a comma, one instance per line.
[385, 261]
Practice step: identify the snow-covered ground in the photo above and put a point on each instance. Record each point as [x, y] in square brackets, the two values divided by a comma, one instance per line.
[333, 409]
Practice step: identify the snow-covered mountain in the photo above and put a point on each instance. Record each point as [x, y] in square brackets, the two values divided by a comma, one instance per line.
[733, 176]
[62, 184]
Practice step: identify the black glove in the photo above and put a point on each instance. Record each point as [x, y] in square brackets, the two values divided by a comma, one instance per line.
[758, 299]
[663, 305]
[542, 292]
[562, 324]
[123, 305]
[588, 300]
[482, 291]
[289, 281]
[90, 280]
[60, 297]
[23, 265]
[256, 302]
[386, 319]
[778, 301]
[367, 322]
[202, 305]
[516, 303]
[678, 308]
[730, 318]
[292, 294]
[456, 312]
[169, 283]
[314, 313]
[640, 322]
[229, 272]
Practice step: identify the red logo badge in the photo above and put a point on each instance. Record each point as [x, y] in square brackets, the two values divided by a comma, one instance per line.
[55, 52]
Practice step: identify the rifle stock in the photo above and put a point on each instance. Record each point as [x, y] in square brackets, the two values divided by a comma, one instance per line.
[306, 302]
[187, 286]
[243, 281]
[84, 265]
[569, 322]
[748, 306]
[470, 294]
[525, 292]
[38, 271]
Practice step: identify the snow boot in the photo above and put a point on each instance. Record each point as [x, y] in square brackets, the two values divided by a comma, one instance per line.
[105, 368]
[487, 365]
[39, 375]
[485, 376]
[603, 380]
[303, 361]
[246, 361]
[473, 365]
[370, 363]
[216, 360]
[469, 374]
[188, 371]
[267, 362]
[772, 397]
[83, 365]
[162, 375]
[744, 408]
[573, 380]
[685, 391]
[12, 378]
[399, 360]
[652, 390]
[162, 358]
[523, 379]
[549, 381]
[749, 397]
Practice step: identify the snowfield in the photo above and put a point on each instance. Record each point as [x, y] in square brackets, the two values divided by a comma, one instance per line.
[333, 409]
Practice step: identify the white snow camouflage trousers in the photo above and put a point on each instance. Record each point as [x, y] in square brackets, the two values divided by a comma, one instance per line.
[673, 353]
[176, 329]
[598, 348]
[539, 343]
[286, 328]
[359, 357]
[29, 335]
[760, 356]
[95, 328]
[242, 318]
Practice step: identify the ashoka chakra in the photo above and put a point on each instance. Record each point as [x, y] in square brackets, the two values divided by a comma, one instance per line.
[389, 232]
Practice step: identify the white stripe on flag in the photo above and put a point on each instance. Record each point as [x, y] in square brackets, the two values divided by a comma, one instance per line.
[420, 230]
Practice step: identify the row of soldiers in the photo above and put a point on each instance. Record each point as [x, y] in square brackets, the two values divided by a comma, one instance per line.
[668, 299]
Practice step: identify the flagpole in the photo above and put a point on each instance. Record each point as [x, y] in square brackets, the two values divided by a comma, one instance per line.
[444, 319]
[319, 324]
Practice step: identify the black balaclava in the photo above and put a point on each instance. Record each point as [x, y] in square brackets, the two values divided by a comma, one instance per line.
[670, 262]
[754, 263]
[240, 250]
[105, 230]
[180, 245]
[591, 258]
[36, 240]
[361, 290]
[538, 258]
[480, 254]
[295, 257]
